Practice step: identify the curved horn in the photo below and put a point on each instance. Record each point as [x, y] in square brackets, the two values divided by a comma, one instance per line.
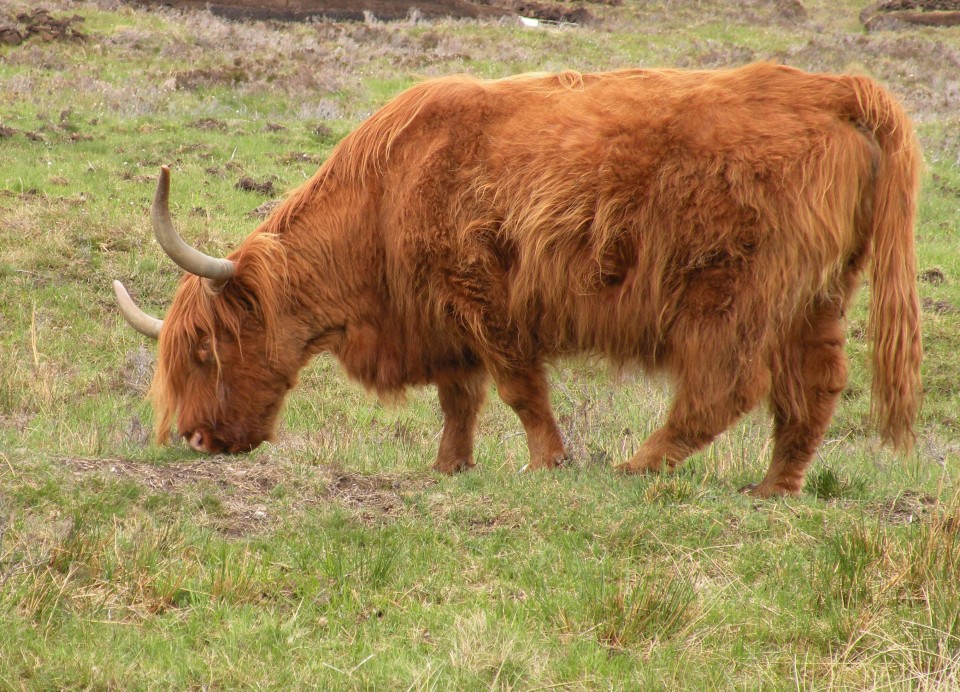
[189, 259]
[135, 317]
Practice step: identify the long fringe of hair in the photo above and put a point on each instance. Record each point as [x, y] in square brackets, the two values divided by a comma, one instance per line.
[199, 313]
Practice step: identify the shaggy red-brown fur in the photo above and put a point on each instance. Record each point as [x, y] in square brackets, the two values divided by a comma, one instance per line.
[712, 225]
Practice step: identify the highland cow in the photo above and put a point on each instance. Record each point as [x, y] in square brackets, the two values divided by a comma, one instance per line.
[711, 225]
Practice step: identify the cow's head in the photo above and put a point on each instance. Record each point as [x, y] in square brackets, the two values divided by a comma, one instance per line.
[222, 368]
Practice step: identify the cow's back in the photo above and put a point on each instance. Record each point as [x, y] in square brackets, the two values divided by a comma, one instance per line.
[586, 212]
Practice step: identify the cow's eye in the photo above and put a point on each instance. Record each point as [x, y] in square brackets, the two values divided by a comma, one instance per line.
[204, 351]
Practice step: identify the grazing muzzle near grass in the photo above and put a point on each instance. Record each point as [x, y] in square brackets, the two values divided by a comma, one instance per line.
[222, 372]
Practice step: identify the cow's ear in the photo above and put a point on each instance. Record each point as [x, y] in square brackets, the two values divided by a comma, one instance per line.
[204, 351]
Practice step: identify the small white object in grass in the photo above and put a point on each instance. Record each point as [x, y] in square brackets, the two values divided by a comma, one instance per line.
[523, 468]
[529, 21]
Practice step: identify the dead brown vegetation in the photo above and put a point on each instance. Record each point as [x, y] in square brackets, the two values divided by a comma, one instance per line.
[41, 26]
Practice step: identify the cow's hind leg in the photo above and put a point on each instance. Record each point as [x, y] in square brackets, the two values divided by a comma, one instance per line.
[461, 398]
[693, 423]
[715, 385]
[528, 394]
[809, 373]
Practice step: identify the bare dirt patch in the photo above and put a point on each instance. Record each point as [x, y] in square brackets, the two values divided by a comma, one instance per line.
[39, 25]
[212, 76]
[374, 497]
[552, 12]
[242, 489]
[352, 10]
[208, 124]
[265, 209]
[894, 14]
[508, 519]
[389, 10]
[299, 157]
[248, 184]
[906, 508]
[939, 307]
[933, 276]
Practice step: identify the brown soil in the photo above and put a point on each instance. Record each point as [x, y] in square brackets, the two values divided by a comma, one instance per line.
[920, 5]
[934, 276]
[896, 13]
[39, 25]
[265, 209]
[298, 10]
[243, 488]
[264, 187]
[208, 124]
[374, 497]
[906, 508]
[509, 519]
[577, 14]
[939, 307]
[387, 10]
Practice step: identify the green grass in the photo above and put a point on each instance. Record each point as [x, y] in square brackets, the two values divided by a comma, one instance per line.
[335, 557]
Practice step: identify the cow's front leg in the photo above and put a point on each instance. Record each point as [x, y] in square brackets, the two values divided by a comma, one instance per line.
[461, 398]
[526, 391]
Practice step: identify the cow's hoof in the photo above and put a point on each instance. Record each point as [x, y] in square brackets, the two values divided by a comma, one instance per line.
[451, 468]
[543, 465]
[764, 490]
[633, 469]
[630, 469]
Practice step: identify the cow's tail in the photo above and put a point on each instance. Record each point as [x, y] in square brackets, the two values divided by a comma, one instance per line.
[894, 328]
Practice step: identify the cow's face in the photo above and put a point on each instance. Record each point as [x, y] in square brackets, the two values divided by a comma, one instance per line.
[222, 373]
[226, 355]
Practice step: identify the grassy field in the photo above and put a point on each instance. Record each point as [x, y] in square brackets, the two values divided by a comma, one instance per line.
[335, 557]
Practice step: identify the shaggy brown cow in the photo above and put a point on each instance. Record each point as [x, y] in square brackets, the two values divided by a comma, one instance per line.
[711, 225]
